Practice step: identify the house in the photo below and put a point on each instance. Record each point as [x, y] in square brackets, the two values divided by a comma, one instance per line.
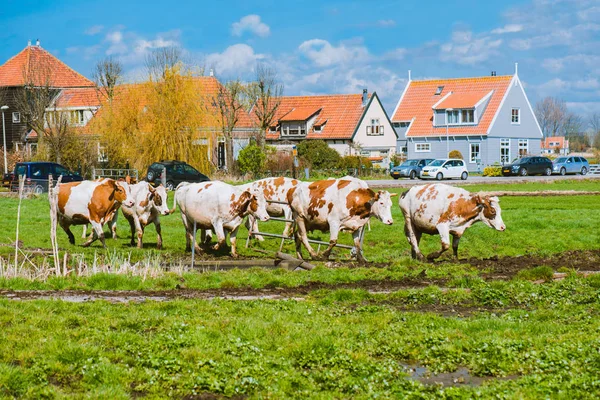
[555, 145]
[488, 119]
[349, 123]
[37, 67]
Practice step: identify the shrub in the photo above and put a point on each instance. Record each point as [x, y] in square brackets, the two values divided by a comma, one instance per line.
[354, 162]
[252, 159]
[492, 170]
[455, 154]
[318, 154]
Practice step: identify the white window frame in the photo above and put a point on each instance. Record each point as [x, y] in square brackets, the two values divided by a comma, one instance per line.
[526, 147]
[375, 128]
[16, 120]
[102, 156]
[318, 128]
[505, 145]
[518, 122]
[423, 146]
[459, 118]
[471, 153]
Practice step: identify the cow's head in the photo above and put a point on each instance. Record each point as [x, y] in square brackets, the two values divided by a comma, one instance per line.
[382, 206]
[122, 193]
[253, 202]
[158, 196]
[490, 212]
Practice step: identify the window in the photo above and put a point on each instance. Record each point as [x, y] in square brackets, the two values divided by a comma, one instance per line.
[365, 153]
[272, 129]
[397, 125]
[452, 117]
[516, 116]
[468, 116]
[523, 147]
[474, 152]
[422, 147]
[102, 156]
[318, 128]
[375, 129]
[505, 151]
[439, 90]
[16, 118]
[61, 171]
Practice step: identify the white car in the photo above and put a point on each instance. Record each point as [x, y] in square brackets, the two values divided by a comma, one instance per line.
[445, 169]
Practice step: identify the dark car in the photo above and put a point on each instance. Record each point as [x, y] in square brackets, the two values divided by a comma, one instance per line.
[410, 168]
[36, 176]
[529, 166]
[177, 172]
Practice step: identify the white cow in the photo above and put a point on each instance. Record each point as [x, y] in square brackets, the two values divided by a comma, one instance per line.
[445, 210]
[219, 207]
[333, 205]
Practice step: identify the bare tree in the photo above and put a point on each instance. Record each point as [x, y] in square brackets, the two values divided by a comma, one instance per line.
[573, 128]
[551, 114]
[107, 75]
[228, 103]
[594, 123]
[267, 92]
[161, 59]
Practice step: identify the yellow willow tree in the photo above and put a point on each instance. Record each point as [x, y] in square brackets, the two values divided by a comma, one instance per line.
[174, 119]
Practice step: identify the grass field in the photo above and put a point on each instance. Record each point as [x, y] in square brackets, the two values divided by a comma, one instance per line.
[505, 327]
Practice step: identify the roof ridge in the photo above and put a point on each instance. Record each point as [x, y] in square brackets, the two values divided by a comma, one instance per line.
[324, 95]
[69, 68]
[496, 77]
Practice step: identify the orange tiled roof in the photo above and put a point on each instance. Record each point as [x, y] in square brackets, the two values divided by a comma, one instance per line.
[416, 105]
[342, 112]
[461, 100]
[562, 143]
[34, 64]
[81, 98]
[300, 114]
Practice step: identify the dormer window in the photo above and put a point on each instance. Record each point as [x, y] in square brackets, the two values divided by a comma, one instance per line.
[273, 129]
[318, 128]
[439, 90]
[460, 117]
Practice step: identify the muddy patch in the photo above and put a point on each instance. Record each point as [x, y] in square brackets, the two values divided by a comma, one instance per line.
[460, 377]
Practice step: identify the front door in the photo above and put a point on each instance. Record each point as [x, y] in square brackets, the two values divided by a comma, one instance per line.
[221, 155]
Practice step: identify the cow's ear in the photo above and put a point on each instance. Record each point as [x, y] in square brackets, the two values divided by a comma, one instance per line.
[378, 195]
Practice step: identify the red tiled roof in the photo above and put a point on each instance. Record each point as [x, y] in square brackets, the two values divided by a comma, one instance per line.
[209, 87]
[461, 100]
[342, 112]
[416, 105]
[300, 114]
[81, 98]
[34, 64]
[562, 143]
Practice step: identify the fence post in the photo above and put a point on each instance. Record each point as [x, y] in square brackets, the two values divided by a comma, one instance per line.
[194, 245]
[21, 186]
[93, 173]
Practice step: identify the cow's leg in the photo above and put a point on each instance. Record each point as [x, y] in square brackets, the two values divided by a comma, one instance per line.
[358, 246]
[220, 232]
[413, 239]
[97, 234]
[84, 232]
[158, 233]
[139, 231]
[444, 232]
[113, 224]
[206, 236]
[233, 239]
[287, 214]
[188, 235]
[302, 237]
[252, 225]
[334, 230]
[67, 228]
[455, 241]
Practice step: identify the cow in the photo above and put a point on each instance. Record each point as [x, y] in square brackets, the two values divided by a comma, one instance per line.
[445, 210]
[272, 189]
[90, 202]
[149, 204]
[336, 204]
[219, 207]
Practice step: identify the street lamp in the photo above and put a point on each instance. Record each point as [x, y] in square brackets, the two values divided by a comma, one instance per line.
[448, 110]
[4, 138]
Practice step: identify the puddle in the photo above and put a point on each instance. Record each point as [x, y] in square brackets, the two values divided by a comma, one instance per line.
[460, 377]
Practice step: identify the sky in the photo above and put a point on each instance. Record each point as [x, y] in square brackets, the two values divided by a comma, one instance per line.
[324, 47]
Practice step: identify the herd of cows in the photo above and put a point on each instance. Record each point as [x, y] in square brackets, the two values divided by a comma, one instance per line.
[331, 205]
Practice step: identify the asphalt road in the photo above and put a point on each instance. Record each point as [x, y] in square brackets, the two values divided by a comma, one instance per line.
[406, 182]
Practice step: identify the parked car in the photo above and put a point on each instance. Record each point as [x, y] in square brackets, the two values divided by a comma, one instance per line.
[36, 176]
[570, 165]
[528, 166]
[410, 168]
[445, 169]
[177, 172]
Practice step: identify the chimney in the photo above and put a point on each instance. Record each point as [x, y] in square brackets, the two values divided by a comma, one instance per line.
[493, 73]
[211, 72]
[365, 97]
[409, 75]
[29, 43]
[37, 42]
[516, 68]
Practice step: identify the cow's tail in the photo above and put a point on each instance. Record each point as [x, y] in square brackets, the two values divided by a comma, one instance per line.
[403, 195]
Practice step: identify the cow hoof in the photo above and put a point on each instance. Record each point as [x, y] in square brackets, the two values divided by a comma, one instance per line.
[159, 247]
[234, 255]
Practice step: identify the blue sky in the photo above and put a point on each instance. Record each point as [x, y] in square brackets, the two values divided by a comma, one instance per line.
[331, 46]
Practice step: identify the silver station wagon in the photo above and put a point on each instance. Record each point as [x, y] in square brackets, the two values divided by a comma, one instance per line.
[570, 165]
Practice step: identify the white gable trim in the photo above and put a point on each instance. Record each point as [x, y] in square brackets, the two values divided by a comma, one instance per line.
[530, 108]
[409, 126]
[484, 98]
[401, 97]
[512, 81]
[442, 99]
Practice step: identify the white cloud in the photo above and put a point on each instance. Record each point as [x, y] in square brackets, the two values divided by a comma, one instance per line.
[323, 54]
[250, 23]
[235, 61]
[94, 30]
[510, 28]
[468, 49]
[385, 23]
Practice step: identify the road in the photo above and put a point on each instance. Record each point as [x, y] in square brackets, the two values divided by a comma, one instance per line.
[405, 182]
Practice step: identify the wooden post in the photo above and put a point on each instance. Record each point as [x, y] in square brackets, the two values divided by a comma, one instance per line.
[53, 200]
[194, 244]
[21, 186]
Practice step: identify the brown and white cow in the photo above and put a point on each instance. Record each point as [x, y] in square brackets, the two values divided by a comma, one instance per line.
[445, 210]
[333, 205]
[149, 204]
[219, 207]
[90, 202]
[272, 189]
